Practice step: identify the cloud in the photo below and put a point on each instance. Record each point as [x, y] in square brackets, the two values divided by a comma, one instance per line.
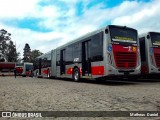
[60, 18]
[146, 18]
[17, 9]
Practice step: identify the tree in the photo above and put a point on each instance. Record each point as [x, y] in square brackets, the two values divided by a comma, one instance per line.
[11, 54]
[3, 38]
[35, 54]
[27, 53]
[7, 48]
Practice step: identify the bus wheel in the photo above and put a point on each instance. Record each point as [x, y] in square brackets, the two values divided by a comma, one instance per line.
[76, 75]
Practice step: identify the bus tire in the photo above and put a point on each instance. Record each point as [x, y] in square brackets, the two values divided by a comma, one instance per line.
[76, 75]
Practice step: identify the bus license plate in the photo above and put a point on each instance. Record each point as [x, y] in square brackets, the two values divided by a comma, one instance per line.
[126, 73]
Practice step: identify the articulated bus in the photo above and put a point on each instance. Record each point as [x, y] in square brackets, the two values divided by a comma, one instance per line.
[112, 51]
[42, 65]
[150, 53]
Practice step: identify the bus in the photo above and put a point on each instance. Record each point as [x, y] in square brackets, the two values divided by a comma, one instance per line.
[7, 68]
[19, 68]
[27, 69]
[150, 53]
[109, 52]
[42, 65]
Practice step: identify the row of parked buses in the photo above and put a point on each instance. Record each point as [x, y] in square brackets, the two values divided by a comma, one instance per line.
[22, 69]
[114, 51]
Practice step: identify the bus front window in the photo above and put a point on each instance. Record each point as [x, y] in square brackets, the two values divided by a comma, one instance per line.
[29, 67]
[155, 38]
[123, 35]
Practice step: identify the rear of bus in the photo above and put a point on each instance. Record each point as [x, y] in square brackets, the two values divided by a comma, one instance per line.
[27, 69]
[155, 39]
[123, 56]
[150, 54]
[19, 68]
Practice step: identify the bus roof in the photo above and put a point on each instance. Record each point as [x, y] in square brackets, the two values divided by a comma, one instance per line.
[83, 37]
[146, 33]
[90, 34]
[45, 54]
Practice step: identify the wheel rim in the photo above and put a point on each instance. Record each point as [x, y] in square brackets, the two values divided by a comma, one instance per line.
[76, 75]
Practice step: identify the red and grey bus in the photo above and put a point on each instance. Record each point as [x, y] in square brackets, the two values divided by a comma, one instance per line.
[19, 68]
[7, 68]
[110, 52]
[150, 53]
[27, 69]
[42, 65]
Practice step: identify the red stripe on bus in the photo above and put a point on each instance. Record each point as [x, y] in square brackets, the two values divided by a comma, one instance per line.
[7, 65]
[45, 71]
[19, 69]
[119, 48]
[69, 71]
[28, 72]
[98, 70]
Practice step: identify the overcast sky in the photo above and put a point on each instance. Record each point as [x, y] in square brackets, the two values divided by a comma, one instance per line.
[46, 24]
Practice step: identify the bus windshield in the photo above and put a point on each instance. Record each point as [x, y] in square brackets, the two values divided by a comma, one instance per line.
[19, 64]
[155, 38]
[123, 35]
[29, 67]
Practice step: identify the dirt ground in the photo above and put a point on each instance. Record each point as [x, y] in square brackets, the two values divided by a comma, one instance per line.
[33, 94]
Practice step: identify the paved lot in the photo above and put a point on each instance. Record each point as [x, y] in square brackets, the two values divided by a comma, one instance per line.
[33, 94]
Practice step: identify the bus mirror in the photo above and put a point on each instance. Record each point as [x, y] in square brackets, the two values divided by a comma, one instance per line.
[106, 31]
[148, 37]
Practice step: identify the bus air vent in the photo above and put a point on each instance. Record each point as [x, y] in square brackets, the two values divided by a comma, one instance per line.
[125, 60]
[157, 59]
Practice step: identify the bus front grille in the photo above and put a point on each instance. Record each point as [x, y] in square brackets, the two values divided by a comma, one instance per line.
[157, 59]
[125, 60]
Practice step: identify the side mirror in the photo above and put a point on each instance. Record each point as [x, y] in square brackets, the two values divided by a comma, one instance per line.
[148, 36]
[106, 31]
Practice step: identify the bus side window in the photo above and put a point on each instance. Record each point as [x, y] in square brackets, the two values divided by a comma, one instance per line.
[77, 52]
[97, 47]
[69, 55]
[58, 58]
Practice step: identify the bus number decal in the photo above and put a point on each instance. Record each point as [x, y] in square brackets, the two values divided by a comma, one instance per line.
[110, 48]
[134, 49]
[129, 48]
[151, 51]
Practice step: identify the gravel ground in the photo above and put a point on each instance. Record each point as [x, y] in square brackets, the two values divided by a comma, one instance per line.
[33, 94]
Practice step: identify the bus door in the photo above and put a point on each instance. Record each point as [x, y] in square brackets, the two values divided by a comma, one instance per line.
[86, 61]
[62, 62]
